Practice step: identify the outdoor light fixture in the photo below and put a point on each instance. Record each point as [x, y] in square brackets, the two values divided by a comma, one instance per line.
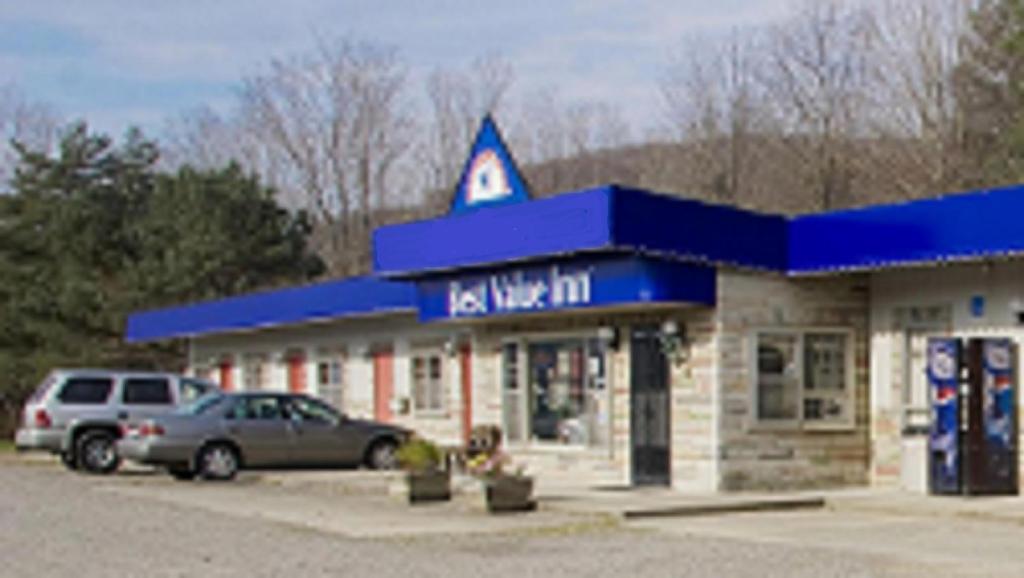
[609, 336]
[673, 342]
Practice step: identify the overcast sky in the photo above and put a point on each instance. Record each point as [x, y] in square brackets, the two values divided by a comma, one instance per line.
[118, 63]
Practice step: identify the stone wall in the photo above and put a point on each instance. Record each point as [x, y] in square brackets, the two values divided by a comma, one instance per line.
[753, 457]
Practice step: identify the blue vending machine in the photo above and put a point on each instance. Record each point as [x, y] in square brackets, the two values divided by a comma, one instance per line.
[944, 374]
[990, 437]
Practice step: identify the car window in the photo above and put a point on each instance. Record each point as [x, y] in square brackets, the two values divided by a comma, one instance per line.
[308, 409]
[201, 405]
[260, 408]
[86, 390]
[191, 389]
[44, 387]
[146, 391]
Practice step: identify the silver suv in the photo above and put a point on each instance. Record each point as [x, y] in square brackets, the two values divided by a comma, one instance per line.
[79, 413]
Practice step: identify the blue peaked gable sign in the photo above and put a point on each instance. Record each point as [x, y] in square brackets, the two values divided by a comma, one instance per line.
[490, 177]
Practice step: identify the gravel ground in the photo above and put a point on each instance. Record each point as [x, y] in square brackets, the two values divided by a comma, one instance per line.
[54, 523]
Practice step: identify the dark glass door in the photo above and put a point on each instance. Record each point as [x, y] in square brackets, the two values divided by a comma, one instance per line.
[650, 421]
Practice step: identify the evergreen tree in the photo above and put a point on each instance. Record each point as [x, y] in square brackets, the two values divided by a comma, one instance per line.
[95, 232]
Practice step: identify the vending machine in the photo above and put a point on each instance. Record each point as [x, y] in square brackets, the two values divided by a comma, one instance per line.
[973, 437]
[944, 375]
[990, 438]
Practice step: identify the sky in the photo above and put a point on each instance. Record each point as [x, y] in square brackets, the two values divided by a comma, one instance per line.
[123, 63]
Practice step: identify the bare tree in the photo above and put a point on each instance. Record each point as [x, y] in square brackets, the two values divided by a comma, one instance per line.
[818, 81]
[31, 124]
[457, 101]
[711, 103]
[915, 107]
[338, 124]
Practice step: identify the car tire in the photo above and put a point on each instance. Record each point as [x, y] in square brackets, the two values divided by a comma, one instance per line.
[96, 452]
[217, 462]
[383, 455]
[182, 474]
[69, 460]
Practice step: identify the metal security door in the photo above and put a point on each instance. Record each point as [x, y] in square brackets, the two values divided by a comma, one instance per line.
[650, 427]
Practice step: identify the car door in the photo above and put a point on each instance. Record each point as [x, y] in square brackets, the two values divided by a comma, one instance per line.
[320, 435]
[258, 424]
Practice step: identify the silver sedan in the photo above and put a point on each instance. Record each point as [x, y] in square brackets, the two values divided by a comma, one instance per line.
[219, 434]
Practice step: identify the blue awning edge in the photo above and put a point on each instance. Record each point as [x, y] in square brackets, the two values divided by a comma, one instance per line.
[308, 303]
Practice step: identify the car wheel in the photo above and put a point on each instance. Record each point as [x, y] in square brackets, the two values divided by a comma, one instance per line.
[217, 462]
[383, 455]
[96, 453]
[69, 461]
[182, 474]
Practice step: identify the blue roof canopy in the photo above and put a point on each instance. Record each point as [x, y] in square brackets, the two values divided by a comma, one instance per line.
[604, 219]
[975, 225]
[319, 302]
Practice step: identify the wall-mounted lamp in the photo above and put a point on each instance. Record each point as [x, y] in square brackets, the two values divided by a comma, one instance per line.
[673, 342]
[450, 346]
[609, 336]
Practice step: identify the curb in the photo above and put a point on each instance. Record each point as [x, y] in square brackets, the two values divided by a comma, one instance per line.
[693, 510]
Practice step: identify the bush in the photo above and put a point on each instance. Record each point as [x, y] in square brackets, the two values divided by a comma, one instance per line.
[419, 455]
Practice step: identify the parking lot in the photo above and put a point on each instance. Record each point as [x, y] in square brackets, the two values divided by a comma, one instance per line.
[54, 523]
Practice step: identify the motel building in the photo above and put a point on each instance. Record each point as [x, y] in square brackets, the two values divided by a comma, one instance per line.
[621, 337]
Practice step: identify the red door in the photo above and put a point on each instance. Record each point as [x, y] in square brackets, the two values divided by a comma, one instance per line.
[383, 384]
[226, 381]
[297, 373]
[466, 371]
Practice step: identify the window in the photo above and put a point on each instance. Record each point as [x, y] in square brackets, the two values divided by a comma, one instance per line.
[313, 411]
[564, 399]
[191, 389]
[330, 379]
[146, 391]
[427, 382]
[804, 378]
[254, 372]
[86, 390]
[258, 408]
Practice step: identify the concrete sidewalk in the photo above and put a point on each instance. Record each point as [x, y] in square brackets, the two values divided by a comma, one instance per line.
[1009, 509]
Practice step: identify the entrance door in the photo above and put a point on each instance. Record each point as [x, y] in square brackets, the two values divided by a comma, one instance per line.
[466, 375]
[296, 373]
[226, 368]
[916, 414]
[649, 395]
[383, 384]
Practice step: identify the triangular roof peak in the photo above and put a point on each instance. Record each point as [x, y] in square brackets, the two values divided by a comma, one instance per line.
[490, 176]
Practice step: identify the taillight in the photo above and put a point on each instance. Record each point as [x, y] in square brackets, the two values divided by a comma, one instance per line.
[43, 419]
[151, 429]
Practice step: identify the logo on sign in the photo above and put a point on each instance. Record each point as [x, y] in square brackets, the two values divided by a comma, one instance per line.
[997, 355]
[520, 291]
[487, 180]
[942, 361]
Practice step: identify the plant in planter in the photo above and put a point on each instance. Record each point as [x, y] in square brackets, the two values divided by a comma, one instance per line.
[426, 478]
[506, 489]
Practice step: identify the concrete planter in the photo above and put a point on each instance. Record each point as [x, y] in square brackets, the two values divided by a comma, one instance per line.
[509, 494]
[432, 486]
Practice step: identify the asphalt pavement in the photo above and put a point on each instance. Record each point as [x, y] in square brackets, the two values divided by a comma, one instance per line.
[56, 523]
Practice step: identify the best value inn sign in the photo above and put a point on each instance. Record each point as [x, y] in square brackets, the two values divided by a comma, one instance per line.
[519, 291]
[571, 284]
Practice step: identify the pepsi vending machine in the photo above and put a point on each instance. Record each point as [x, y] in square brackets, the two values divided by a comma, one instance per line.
[973, 441]
[943, 367]
[990, 439]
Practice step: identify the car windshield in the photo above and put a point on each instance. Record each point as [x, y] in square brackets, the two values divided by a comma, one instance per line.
[201, 404]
